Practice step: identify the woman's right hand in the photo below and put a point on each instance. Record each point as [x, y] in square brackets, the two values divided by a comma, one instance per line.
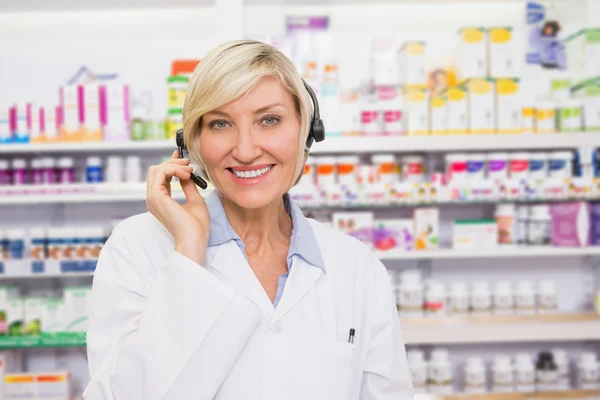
[189, 224]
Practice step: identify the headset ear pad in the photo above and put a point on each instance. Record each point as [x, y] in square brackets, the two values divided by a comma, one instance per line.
[318, 130]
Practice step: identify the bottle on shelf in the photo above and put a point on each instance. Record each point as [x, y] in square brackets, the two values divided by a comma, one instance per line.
[503, 379]
[410, 294]
[524, 373]
[458, 299]
[588, 371]
[475, 375]
[418, 370]
[481, 298]
[435, 299]
[562, 363]
[525, 298]
[503, 299]
[547, 298]
[546, 372]
[439, 372]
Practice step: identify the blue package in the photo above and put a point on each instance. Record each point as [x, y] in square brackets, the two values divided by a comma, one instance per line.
[586, 162]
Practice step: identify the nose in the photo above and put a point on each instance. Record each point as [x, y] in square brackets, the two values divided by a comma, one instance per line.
[247, 148]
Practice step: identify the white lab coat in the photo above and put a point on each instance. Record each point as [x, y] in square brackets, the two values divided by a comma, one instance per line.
[164, 327]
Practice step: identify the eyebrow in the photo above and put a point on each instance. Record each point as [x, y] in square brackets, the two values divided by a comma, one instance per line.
[267, 107]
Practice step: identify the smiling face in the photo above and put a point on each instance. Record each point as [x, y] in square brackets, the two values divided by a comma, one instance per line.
[250, 146]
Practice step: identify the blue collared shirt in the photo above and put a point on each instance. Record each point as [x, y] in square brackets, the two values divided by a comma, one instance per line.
[303, 242]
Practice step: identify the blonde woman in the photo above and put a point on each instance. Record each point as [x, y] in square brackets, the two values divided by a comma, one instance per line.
[239, 296]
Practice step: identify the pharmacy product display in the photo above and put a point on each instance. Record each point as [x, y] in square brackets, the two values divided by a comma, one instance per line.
[416, 297]
[523, 372]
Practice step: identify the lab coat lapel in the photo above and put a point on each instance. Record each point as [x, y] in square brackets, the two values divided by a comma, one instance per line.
[302, 278]
[228, 261]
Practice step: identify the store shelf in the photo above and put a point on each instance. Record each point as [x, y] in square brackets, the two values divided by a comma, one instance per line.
[35, 269]
[361, 144]
[47, 340]
[502, 329]
[499, 252]
[567, 394]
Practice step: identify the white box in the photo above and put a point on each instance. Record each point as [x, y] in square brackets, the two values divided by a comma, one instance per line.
[508, 106]
[438, 115]
[76, 308]
[481, 108]
[114, 111]
[426, 228]
[53, 386]
[589, 95]
[502, 53]
[393, 234]
[33, 315]
[20, 386]
[583, 54]
[471, 53]
[474, 234]
[70, 129]
[7, 293]
[89, 100]
[416, 111]
[14, 316]
[356, 224]
[411, 63]
[457, 106]
[53, 319]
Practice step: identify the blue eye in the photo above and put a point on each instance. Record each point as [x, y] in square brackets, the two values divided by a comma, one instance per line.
[218, 124]
[270, 120]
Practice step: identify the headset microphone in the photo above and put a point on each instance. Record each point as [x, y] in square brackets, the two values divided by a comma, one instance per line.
[181, 147]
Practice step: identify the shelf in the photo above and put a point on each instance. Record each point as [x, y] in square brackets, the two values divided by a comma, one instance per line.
[501, 329]
[45, 340]
[34, 269]
[567, 394]
[360, 144]
[499, 252]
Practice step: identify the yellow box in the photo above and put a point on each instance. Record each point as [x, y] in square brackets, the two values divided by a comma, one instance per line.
[508, 106]
[502, 62]
[480, 105]
[457, 122]
[411, 63]
[438, 115]
[416, 108]
[470, 60]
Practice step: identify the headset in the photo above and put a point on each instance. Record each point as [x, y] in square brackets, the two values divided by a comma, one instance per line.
[315, 134]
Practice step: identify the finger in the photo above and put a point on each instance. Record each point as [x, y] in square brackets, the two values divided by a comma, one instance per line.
[178, 161]
[192, 195]
[164, 172]
[175, 154]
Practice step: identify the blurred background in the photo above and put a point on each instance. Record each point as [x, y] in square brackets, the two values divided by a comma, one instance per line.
[461, 146]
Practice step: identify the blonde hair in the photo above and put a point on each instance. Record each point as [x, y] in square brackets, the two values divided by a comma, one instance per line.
[228, 72]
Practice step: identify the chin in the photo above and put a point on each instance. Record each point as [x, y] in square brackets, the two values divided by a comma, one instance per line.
[253, 198]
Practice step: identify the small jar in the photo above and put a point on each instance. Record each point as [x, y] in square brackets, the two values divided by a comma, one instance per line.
[435, 299]
[498, 166]
[48, 170]
[175, 122]
[547, 298]
[371, 122]
[114, 169]
[503, 299]
[413, 169]
[503, 380]
[133, 169]
[37, 171]
[346, 168]
[385, 168]
[524, 373]
[546, 373]
[481, 299]
[507, 224]
[66, 171]
[439, 372]
[326, 174]
[562, 363]
[538, 229]
[525, 298]
[476, 166]
[456, 167]
[93, 170]
[18, 172]
[522, 225]
[538, 165]
[475, 375]
[418, 370]
[458, 299]
[410, 294]
[561, 164]
[16, 243]
[588, 372]
[38, 249]
[4, 173]
[519, 166]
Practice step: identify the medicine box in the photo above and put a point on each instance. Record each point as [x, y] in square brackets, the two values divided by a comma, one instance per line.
[570, 224]
[481, 108]
[583, 54]
[471, 53]
[411, 63]
[114, 111]
[508, 106]
[76, 308]
[5, 134]
[475, 234]
[438, 115]
[33, 315]
[53, 386]
[416, 106]
[52, 318]
[394, 234]
[589, 95]
[20, 386]
[457, 121]
[356, 224]
[89, 112]
[502, 61]
[7, 293]
[70, 127]
[426, 228]
[14, 316]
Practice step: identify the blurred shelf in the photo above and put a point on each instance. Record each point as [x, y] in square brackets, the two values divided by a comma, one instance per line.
[566, 394]
[39, 269]
[499, 252]
[359, 144]
[501, 329]
[47, 340]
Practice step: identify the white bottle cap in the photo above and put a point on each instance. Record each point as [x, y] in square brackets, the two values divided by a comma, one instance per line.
[355, 160]
[503, 287]
[505, 209]
[14, 233]
[48, 162]
[410, 275]
[524, 287]
[588, 358]
[478, 157]
[502, 361]
[4, 165]
[456, 157]
[133, 161]
[475, 362]
[439, 356]
[415, 357]
[546, 287]
[65, 162]
[326, 160]
[481, 287]
[383, 158]
[37, 232]
[458, 288]
[523, 359]
[94, 161]
[560, 355]
[36, 163]
[19, 163]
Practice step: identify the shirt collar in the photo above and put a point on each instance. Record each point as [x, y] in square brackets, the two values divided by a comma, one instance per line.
[303, 241]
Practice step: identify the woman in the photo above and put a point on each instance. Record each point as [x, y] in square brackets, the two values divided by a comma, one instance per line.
[241, 296]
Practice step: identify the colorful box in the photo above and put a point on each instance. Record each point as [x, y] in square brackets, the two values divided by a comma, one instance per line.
[471, 53]
[356, 224]
[438, 115]
[416, 106]
[457, 108]
[14, 316]
[20, 386]
[589, 95]
[508, 106]
[426, 228]
[502, 53]
[114, 111]
[475, 234]
[481, 108]
[76, 311]
[583, 54]
[53, 386]
[52, 318]
[89, 112]
[5, 130]
[411, 63]
[570, 224]
[394, 234]
[33, 316]
[70, 126]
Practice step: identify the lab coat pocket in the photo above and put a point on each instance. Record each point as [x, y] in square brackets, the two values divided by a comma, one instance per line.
[335, 369]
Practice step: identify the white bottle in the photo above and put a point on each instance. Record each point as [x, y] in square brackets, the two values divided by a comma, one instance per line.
[439, 372]
[562, 363]
[392, 275]
[435, 299]
[503, 374]
[458, 299]
[522, 225]
[504, 301]
[481, 298]
[475, 375]
[524, 298]
[588, 371]
[418, 370]
[410, 294]
[524, 373]
[547, 299]
[546, 372]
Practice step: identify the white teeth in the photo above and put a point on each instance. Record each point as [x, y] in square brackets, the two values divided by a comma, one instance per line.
[251, 174]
